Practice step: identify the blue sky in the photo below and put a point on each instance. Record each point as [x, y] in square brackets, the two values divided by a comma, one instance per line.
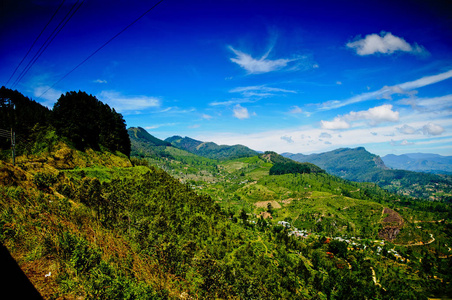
[288, 76]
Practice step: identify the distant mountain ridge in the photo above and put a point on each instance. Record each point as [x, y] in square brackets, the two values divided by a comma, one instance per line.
[360, 165]
[210, 149]
[352, 164]
[420, 162]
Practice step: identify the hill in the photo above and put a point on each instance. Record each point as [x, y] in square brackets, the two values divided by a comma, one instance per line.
[144, 144]
[351, 164]
[360, 165]
[420, 162]
[84, 223]
[210, 149]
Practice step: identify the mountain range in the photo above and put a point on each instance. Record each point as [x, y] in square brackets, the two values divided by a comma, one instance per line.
[420, 162]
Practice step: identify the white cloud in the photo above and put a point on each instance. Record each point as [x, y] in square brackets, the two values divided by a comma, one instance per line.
[287, 139]
[261, 65]
[100, 81]
[433, 129]
[401, 143]
[206, 117]
[51, 95]
[375, 115]
[339, 82]
[385, 43]
[406, 129]
[336, 124]
[260, 91]
[159, 125]
[325, 135]
[295, 110]
[387, 91]
[241, 112]
[123, 103]
[429, 104]
[230, 102]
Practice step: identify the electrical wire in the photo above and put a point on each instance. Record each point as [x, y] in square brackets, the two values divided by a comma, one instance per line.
[47, 43]
[32, 45]
[101, 47]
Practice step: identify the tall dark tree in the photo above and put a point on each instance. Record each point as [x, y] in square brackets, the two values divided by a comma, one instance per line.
[20, 113]
[88, 123]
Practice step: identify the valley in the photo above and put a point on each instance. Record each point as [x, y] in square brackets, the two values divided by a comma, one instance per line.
[130, 216]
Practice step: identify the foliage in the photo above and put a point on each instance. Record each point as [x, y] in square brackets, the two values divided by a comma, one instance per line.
[209, 149]
[22, 115]
[359, 165]
[87, 122]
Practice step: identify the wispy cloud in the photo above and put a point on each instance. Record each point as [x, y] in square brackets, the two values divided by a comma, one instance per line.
[100, 81]
[159, 125]
[387, 91]
[295, 110]
[429, 104]
[260, 65]
[385, 43]
[241, 112]
[373, 116]
[287, 139]
[124, 103]
[206, 117]
[260, 91]
[51, 95]
[430, 129]
[230, 102]
[401, 143]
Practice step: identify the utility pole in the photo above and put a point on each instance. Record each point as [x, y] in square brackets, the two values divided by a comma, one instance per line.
[13, 146]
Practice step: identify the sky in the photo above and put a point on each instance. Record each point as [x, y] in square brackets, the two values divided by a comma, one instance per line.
[285, 76]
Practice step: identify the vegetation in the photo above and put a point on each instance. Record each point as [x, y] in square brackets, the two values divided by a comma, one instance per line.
[360, 165]
[89, 123]
[180, 226]
[210, 150]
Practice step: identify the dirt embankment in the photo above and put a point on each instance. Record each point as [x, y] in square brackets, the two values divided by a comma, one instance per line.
[392, 224]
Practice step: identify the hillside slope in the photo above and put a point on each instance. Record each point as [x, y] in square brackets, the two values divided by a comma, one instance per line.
[210, 149]
[351, 164]
[360, 165]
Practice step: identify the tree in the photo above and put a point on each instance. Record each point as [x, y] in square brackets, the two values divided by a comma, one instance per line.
[88, 123]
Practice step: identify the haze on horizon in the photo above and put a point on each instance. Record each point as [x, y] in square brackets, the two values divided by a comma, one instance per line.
[292, 76]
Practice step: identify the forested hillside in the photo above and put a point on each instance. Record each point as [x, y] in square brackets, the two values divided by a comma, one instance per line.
[169, 224]
[209, 149]
[79, 118]
[360, 165]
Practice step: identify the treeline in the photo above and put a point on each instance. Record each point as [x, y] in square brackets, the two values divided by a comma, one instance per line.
[80, 118]
[289, 168]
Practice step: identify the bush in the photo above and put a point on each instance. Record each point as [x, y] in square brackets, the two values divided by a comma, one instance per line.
[44, 180]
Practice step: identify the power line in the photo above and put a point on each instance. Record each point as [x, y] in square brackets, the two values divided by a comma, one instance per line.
[47, 43]
[100, 48]
[32, 45]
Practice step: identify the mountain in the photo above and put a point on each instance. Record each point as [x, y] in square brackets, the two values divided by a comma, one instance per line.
[360, 165]
[210, 149]
[346, 163]
[144, 144]
[420, 162]
[284, 165]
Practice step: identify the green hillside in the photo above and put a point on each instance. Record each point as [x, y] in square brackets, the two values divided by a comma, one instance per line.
[360, 165]
[87, 223]
[210, 149]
